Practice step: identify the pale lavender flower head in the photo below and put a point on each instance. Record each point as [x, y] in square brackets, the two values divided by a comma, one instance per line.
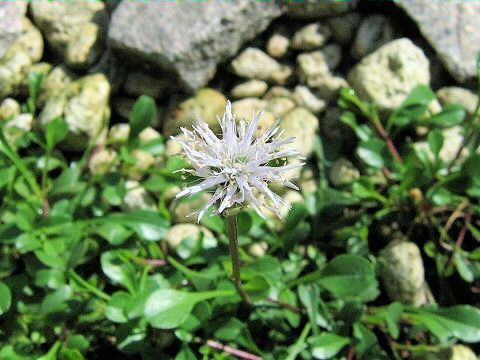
[236, 167]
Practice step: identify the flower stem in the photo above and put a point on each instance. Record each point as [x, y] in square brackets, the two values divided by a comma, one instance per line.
[233, 240]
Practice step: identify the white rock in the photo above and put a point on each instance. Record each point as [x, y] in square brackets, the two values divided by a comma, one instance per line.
[343, 172]
[311, 37]
[177, 233]
[137, 198]
[22, 122]
[101, 161]
[303, 125]
[258, 249]
[327, 86]
[388, 75]
[458, 95]
[277, 91]
[137, 170]
[251, 88]
[304, 97]
[118, 133]
[279, 106]
[9, 109]
[277, 45]
[253, 63]
[311, 65]
[403, 273]
[245, 108]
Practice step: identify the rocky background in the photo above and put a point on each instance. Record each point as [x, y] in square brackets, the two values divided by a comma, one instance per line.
[288, 59]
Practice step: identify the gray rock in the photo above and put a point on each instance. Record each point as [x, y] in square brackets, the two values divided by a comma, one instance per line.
[344, 27]
[138, 83]
[75, 30]
[311, 37]
[388, 75]
[84, 105]
[188, 38]
[451, 28]
[251, 88]
[403, 273]
[113, 68]
[458, 95]
[313, 9]
[374, 31]
[11, 23]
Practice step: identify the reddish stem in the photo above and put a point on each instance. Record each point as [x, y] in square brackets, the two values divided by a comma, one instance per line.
[391, 146]
[155, 262]
[351, 354]
[239, 353]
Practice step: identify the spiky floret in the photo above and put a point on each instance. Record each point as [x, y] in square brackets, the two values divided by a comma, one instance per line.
[237, 165]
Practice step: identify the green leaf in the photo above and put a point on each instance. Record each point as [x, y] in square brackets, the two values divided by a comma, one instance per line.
[363, 132]
[115, 307]
[327, 345]
[6, 149]
[414, 106]
[463, 267]
[168, 308]
[451, 115]
[143, 113]
[366, 338]
[185, 353]
[394, 314]
[373, 152]
[56, 302]
[5, 298]
[230, 330]
[52, 353]
[34, 80]
[435, 141]
[115, 234]
[461, 322]
[149, 225]
[440, 196]
[350, 276]
[118, 269]
[55, 131]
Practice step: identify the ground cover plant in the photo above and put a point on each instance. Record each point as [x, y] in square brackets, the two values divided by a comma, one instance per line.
[83, 278]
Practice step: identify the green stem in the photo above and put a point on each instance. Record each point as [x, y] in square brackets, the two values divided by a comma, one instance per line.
[233, 240]
[89, 287]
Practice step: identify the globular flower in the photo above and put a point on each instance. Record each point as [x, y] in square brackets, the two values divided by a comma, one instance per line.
[239, 166]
